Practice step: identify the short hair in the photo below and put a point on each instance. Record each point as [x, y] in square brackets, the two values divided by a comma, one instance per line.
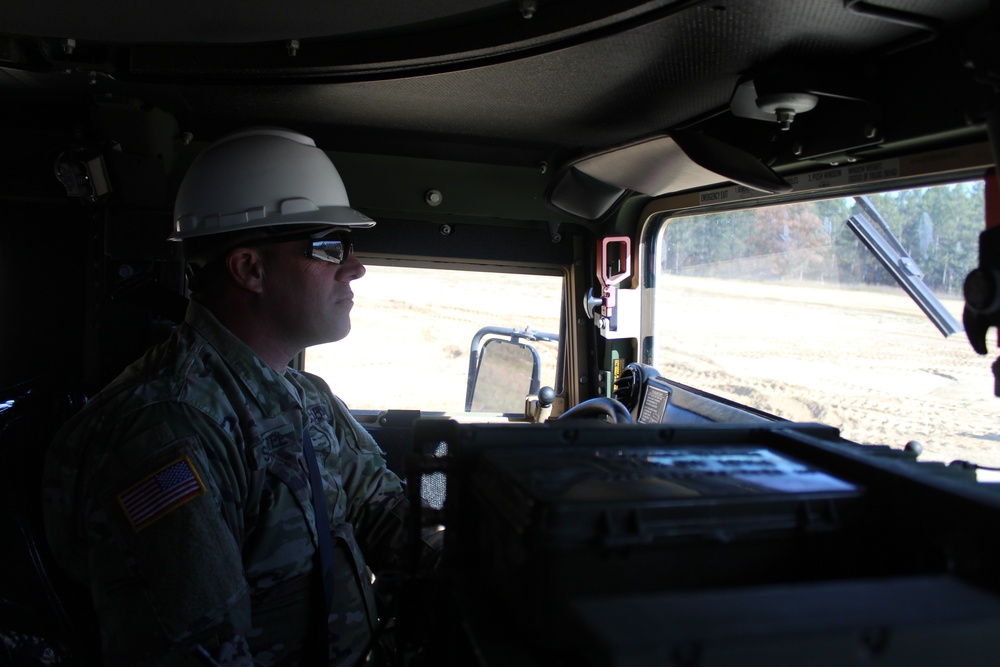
[201, 251]
[205, 257]
[205, 254]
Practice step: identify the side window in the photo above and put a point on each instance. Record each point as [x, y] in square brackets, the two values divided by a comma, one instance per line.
[786, 309]
[413, 329]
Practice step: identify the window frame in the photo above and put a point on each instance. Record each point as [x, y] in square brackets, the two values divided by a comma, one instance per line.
[370, 414]
[926, 169]
[662, 212]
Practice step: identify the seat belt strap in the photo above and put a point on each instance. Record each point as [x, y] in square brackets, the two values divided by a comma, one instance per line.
[324, 536]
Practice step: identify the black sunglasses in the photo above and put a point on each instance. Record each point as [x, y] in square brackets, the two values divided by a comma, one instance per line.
[333, 247]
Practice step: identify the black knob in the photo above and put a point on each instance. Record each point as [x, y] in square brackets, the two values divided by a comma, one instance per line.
[546, 395]
[980, 291]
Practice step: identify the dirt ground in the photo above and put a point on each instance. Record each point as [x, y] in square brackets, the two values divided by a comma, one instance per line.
[867, 362]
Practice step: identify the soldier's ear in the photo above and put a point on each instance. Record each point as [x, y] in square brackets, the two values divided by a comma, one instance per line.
[246, 268]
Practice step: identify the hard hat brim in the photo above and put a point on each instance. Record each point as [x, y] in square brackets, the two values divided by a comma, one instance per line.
[328, 216]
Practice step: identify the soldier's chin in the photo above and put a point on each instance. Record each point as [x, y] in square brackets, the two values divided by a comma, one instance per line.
[340, 334]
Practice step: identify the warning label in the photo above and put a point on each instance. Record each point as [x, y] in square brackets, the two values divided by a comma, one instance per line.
[654, 405]
[874, 171]
[828, 178]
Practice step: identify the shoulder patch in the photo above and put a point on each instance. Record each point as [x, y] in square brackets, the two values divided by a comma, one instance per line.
[160, 493]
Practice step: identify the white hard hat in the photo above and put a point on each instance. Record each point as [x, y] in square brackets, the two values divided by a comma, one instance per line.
[261, 177]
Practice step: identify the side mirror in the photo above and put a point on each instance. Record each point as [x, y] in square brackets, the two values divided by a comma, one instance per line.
[503, 371]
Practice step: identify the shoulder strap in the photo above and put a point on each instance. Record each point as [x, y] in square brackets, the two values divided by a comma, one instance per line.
[325, 552]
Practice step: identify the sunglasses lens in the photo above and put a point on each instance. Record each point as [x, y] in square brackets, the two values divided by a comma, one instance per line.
[333, 251]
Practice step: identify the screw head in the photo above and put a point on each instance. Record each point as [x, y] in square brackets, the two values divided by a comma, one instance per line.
[433, 197]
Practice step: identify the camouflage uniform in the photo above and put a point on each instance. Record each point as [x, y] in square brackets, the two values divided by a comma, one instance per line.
[180, 496]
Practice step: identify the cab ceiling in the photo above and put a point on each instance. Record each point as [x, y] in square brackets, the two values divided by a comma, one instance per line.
[514, 82]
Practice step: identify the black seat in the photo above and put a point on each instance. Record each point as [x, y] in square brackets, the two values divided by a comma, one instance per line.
[45, 618]
[394, 434]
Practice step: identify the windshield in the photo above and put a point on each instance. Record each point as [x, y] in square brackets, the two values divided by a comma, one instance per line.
[786, 309]
[412, 331]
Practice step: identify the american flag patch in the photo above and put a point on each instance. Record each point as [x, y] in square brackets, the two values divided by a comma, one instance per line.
[165, 490]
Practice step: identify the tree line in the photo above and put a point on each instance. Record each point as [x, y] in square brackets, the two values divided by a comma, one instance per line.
[938, 227]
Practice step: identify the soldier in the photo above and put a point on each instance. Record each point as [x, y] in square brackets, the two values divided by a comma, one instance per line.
[181, 495]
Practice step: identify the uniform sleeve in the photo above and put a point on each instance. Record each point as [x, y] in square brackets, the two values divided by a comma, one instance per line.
[377, 504]
[155, 530]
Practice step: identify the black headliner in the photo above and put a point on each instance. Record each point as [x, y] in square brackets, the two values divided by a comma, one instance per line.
[477, 80]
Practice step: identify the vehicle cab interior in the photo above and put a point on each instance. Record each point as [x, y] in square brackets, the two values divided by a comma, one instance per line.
[678, 315]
